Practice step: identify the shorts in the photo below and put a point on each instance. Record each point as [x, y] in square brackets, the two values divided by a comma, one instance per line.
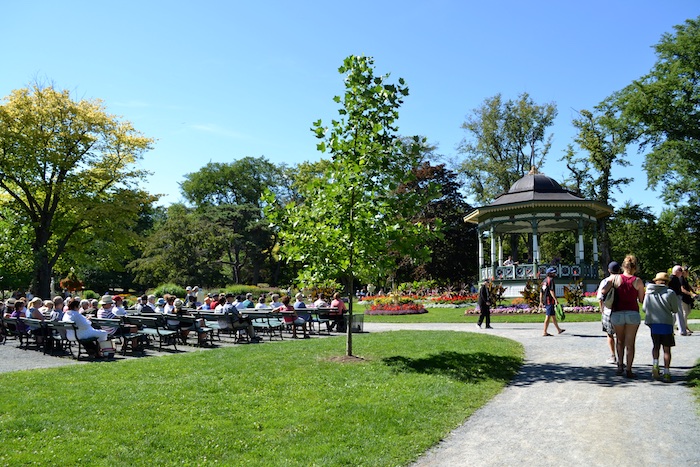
[620, 318]
[549, 310]
[665, 340]
[608, 328]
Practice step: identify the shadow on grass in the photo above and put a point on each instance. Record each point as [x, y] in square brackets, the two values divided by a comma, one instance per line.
[464, 367]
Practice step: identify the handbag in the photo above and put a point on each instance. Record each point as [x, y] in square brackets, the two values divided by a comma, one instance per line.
[609, 299]
[559, 311]
[107, 348]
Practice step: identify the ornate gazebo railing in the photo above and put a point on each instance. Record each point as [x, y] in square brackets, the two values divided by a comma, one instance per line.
[532, 271]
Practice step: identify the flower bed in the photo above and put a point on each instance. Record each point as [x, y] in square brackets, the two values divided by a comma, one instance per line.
[524, 309]
[405, 309]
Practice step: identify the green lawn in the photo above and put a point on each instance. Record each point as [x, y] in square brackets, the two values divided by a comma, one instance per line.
[286, 403]
[456, 315]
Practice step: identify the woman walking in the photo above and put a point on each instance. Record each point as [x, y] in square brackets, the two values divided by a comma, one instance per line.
[624, 316]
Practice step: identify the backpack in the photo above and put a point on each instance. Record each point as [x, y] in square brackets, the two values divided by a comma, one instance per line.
[609, 299]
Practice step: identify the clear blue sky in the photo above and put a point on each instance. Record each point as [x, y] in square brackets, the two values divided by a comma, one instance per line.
[220, 80]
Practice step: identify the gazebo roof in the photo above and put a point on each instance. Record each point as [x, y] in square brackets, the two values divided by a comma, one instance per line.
[537, 196]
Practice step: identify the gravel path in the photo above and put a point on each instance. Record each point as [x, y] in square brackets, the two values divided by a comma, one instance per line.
[567, 407]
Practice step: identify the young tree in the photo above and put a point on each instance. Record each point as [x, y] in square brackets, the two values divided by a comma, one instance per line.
[663, 107]
[67, 169]
[504, 140]
[350, 219]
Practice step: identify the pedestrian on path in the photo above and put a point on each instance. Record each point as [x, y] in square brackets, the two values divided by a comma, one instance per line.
[484, 302]
[613, 268]
[548, 299]
[625, 315]
[659, 304]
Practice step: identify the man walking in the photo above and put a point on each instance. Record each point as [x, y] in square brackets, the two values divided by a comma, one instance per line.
[484, 302]
[548, 299]
[608, 328]
[675, 285]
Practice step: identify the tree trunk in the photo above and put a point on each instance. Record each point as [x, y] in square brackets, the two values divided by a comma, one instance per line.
[41, 284]
[604, 245]
[348, 330]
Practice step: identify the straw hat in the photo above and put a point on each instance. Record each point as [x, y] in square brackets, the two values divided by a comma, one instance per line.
[106, 300]
[662, 277]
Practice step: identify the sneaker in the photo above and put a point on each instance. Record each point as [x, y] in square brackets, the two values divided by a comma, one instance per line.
[489, 327]
[667, 378]
[612, 360]
[655, 371]
[478, 325]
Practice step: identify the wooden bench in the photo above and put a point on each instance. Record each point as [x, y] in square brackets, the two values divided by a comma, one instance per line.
[153, 328]
[67, 336]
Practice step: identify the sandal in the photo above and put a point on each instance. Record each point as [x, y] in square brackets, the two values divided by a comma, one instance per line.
[561, 330]
[619, 371]
[630, 375]
[546, 334]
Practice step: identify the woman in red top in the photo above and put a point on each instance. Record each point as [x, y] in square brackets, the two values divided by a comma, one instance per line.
[625, 316]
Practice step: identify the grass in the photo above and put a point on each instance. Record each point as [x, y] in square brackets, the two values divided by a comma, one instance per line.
[289, 403]
[456, 315]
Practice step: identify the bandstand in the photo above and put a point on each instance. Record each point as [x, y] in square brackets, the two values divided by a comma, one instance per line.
[536, 205]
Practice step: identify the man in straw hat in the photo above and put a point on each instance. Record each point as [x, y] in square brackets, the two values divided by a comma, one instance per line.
[660, 303]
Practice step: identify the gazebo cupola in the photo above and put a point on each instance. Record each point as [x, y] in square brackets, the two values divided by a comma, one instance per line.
[535, 205]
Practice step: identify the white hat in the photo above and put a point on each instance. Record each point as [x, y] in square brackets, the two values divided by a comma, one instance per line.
[106, 300]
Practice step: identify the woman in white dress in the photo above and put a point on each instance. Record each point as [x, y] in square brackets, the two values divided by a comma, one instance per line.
[85, 329]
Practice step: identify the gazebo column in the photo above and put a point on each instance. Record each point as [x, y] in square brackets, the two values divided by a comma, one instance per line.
[595, 244]
[481, 252]
[500, 250]
[581, 252]
[535, 246]
[493, 247]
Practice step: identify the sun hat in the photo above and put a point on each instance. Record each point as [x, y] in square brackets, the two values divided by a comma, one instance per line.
[117, 298]
[551, 270]
[614, 267]
[178, 304]
[662, 276]
[106, 300]
[299, 296]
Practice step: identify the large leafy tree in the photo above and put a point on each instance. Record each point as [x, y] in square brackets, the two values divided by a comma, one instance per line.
[452, 258]
[504, 140]
[228, 196]
[633, 229]
[67, 169]
[351, 222]
[663, 107]
[603, 137]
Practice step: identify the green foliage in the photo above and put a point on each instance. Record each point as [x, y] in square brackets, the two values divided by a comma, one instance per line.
[67, 169]
[531, 293]
[172, 289]
[417, 287]
[457, 372]
[504, 140]
[662, 108]
[393, 300]
[89, 294]
[573, 293]
[495, 292]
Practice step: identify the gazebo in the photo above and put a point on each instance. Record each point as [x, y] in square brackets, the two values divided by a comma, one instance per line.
[535, 205]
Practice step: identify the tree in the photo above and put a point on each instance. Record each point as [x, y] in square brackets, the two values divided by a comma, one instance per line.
[604, 138]
[452, 258]
[663, 108]
[504, 141]
[184, 248]
[229, 196]
[67, 169]
[352, 217]
[633, 229]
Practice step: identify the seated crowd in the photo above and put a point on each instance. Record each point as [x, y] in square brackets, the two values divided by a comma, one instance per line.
[80, 311]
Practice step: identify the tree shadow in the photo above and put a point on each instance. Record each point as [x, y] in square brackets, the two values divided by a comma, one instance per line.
[463, 367]
[475, 367]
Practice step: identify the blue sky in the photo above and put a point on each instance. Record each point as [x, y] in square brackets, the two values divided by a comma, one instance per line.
[220, 80]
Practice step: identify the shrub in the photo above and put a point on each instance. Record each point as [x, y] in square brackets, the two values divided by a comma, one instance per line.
[172, 289]
[90, 294]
